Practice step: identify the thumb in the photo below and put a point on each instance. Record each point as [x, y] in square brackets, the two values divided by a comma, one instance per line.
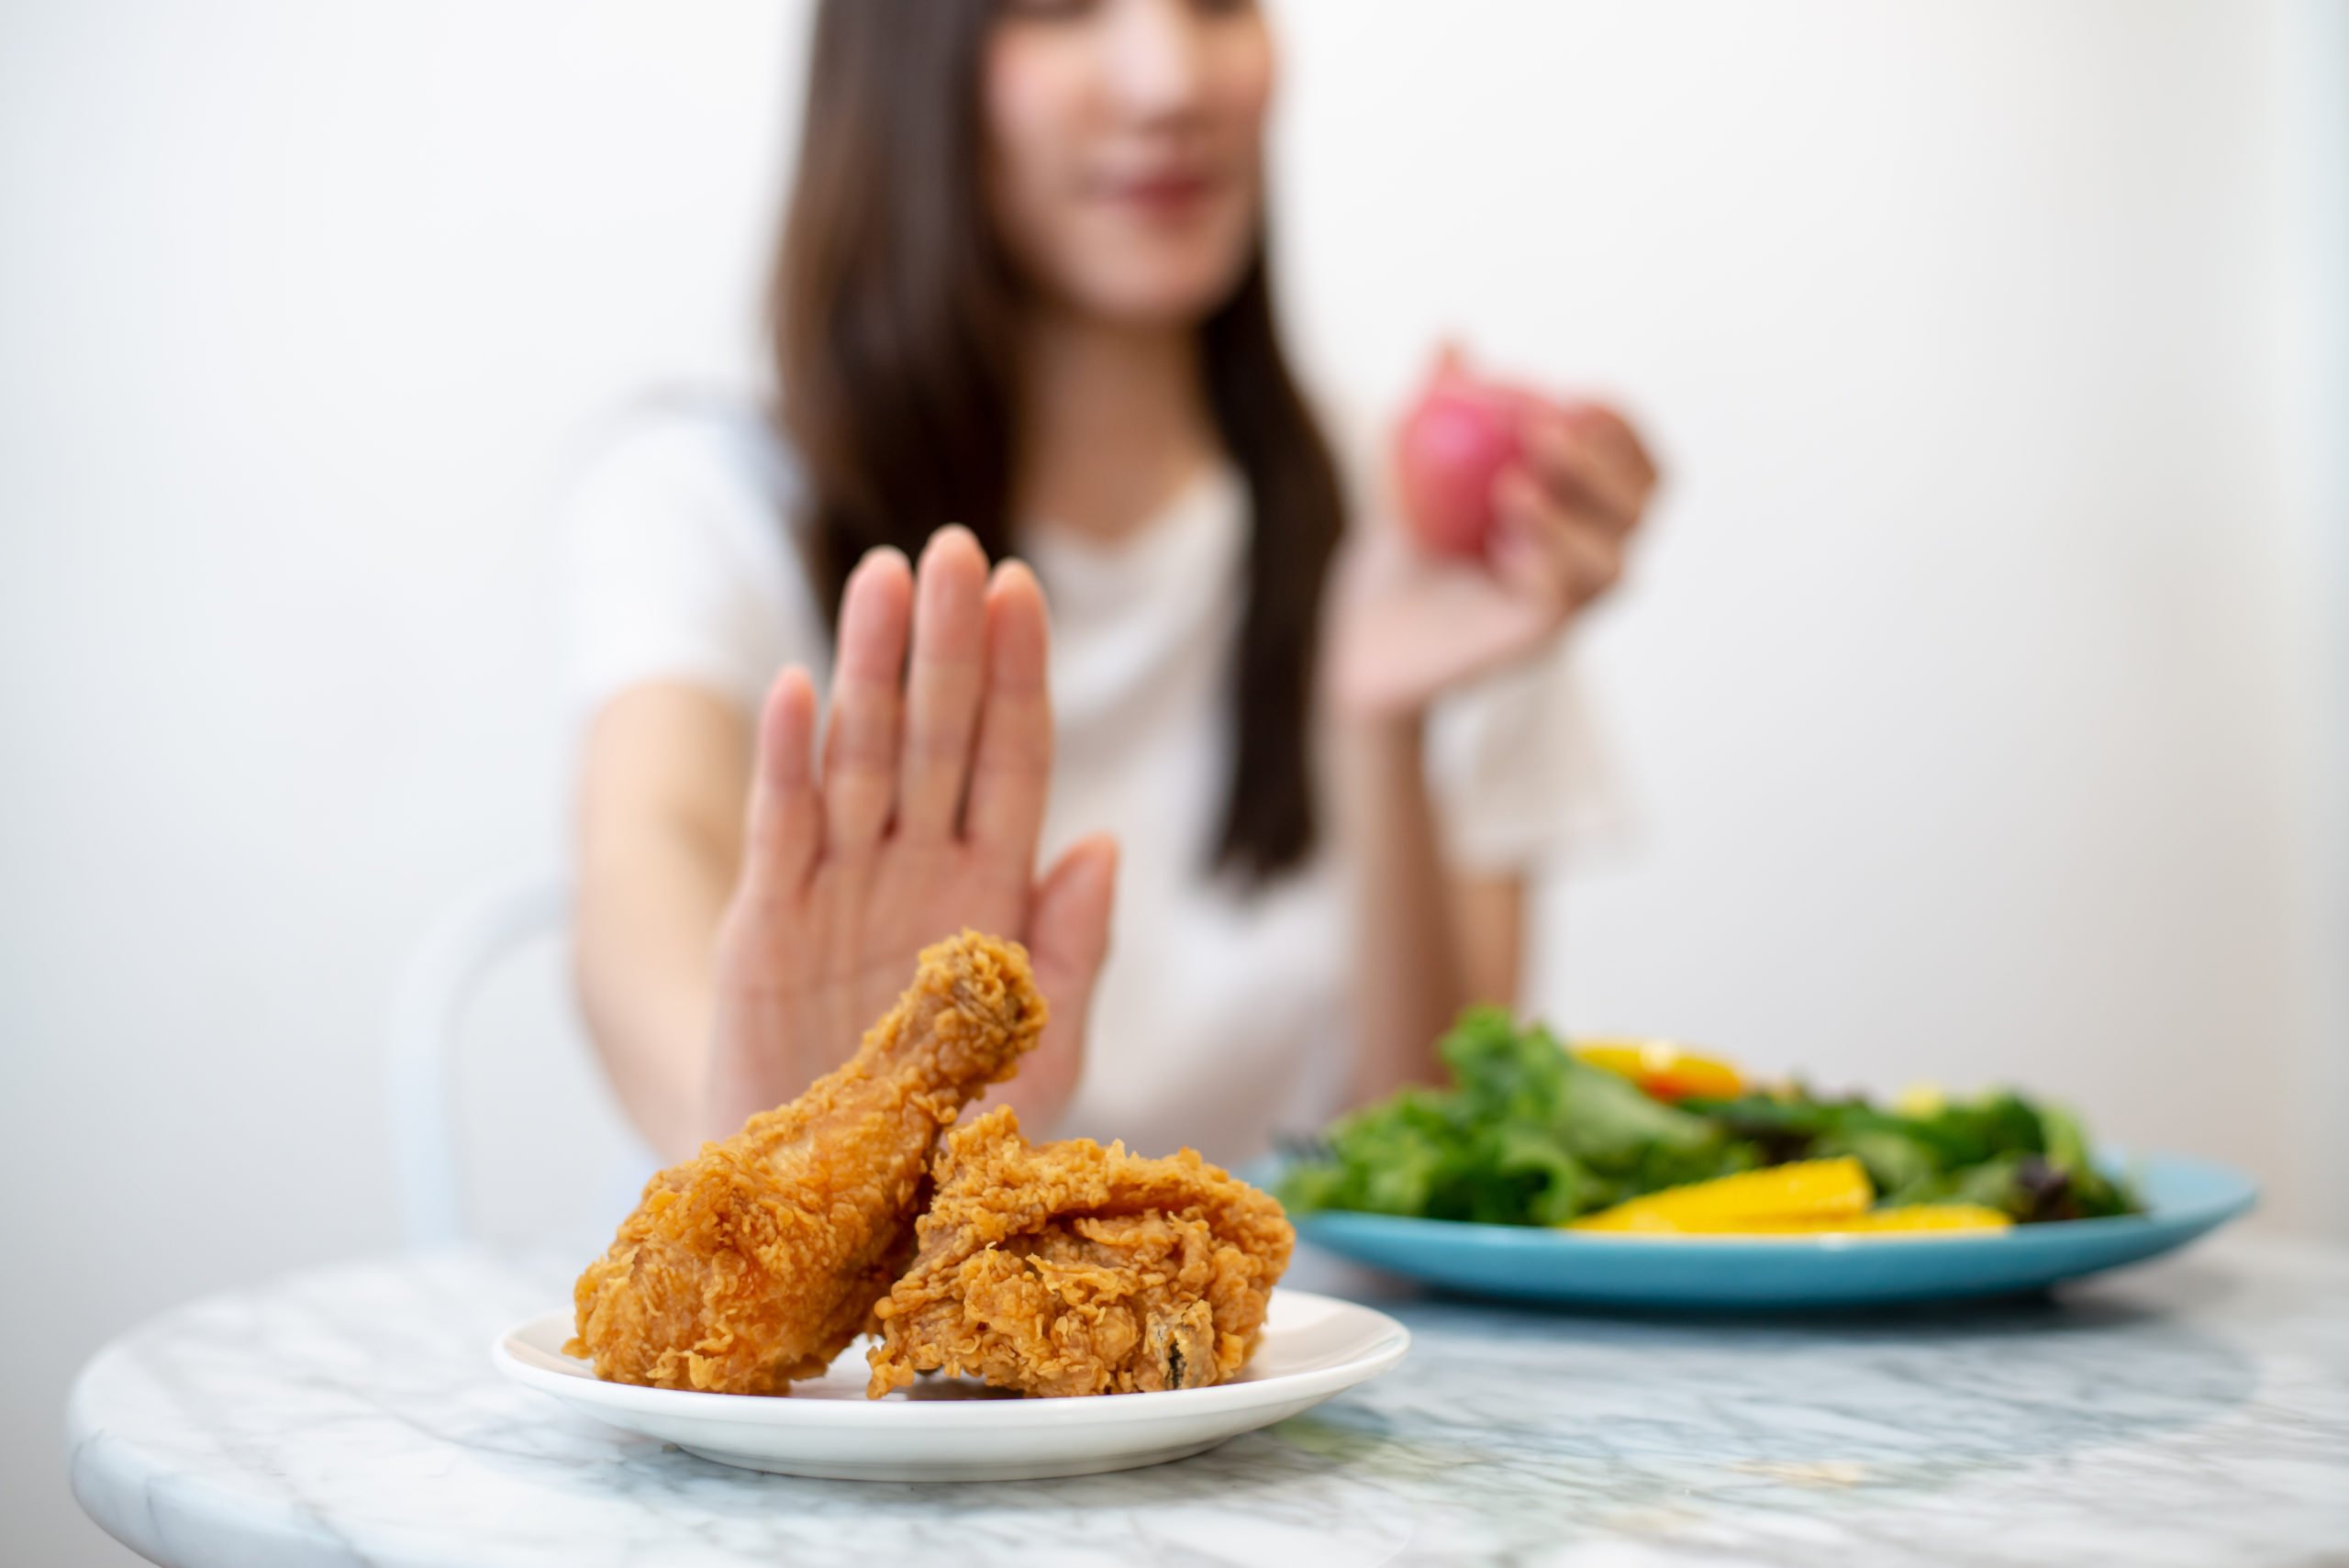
[1068, 923]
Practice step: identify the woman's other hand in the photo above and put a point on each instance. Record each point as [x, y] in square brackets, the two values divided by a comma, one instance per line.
[919, 815]
[1408, 626]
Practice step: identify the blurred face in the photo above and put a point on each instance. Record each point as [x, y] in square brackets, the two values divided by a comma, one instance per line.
[1124, 143]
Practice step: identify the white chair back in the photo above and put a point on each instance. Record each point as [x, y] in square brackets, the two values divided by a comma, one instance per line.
[440, 982]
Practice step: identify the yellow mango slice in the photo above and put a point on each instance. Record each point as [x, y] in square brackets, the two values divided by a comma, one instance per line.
[1664, 1069]
[1917, 1219]
[1804, 1190]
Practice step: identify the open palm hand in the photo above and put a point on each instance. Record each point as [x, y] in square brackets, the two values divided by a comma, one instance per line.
[920, 816]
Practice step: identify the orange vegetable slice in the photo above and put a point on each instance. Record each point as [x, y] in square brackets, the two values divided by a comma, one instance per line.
[1664, 1069]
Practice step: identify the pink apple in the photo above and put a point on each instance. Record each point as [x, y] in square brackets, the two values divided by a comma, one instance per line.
[1448, 449]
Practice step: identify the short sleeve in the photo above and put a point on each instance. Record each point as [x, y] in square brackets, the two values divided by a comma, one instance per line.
[1519, 772]
[679, 565]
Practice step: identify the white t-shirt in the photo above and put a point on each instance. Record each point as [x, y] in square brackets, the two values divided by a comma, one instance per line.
[1220, 1020]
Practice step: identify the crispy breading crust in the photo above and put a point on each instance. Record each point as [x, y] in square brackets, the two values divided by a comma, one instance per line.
[1071, 1268]
[758, 1261]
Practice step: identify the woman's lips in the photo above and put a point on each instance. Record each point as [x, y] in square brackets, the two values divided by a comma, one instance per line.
[1169, 194]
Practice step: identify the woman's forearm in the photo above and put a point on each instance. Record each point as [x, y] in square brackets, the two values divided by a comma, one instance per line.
[660, 850]
[647, 925]
[1410, 977]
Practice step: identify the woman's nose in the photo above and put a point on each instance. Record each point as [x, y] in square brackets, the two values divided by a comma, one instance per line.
[1156, 55]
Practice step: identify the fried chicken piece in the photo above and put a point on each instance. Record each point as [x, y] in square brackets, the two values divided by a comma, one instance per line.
[1068, 1268]
[758, 1261]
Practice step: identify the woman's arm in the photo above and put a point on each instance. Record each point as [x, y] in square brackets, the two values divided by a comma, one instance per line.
[1488, 912]
[1406, 630]
[661, 795]
[1429, 942]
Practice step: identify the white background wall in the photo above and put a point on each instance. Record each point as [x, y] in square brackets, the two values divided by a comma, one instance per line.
[1970, 689]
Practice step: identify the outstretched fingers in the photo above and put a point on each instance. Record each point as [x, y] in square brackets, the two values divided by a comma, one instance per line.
[1068, 921]
[1012, 765]
[945, 679]
[860, 769]
[1068, 938]
[785, 829]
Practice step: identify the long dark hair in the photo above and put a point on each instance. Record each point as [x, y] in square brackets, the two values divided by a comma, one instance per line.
[894, 319]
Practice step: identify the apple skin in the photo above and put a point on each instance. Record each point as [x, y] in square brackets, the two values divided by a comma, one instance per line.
[1449, 446]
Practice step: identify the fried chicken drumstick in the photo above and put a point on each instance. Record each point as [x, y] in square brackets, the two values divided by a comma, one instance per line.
[1071, 1268]
[758, 1261]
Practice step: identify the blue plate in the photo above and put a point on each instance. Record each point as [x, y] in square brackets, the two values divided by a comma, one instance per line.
[2184, 1198]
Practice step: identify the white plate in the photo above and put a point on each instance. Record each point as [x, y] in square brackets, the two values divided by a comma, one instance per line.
[956, 1430]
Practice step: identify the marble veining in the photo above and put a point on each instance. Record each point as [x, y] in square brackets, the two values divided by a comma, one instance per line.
[2194, 1413]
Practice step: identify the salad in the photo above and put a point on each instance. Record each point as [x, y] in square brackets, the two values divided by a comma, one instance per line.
[1630, 1137]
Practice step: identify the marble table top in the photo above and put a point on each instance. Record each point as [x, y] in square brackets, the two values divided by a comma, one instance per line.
[2193, 1412]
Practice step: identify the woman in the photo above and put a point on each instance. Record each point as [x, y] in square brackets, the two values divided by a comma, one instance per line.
[1023, 290]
